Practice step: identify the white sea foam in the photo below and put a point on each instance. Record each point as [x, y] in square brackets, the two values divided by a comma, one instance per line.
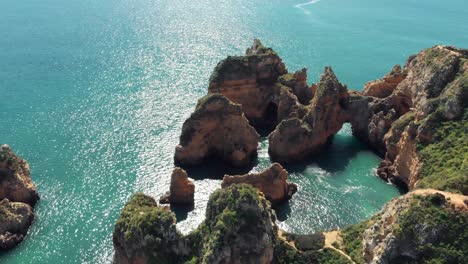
[301, 6]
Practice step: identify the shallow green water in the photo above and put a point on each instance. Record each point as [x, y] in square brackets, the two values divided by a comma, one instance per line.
[94, 93]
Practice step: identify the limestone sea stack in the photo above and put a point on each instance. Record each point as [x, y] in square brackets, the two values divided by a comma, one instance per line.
[271, 182]
[256, 81]
[296, 138]
[217, 129]
[182, 189]
[17, 197]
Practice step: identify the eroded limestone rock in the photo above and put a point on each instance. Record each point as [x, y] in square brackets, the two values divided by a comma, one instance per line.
[296, 138]
[217, 129]
[271, 182]
[182, 189]
[15, 219]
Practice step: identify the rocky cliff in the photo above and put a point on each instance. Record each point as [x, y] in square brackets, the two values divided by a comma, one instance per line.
[17, 195]
[424, 143]
[181, 190]
[424, 226]
[217, 129]
[271, 182]
[239, 228]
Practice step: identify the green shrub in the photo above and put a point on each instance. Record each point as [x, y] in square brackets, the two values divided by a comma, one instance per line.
[445, 161]
[449, 235]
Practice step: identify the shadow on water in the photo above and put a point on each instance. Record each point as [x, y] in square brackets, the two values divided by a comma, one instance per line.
[216, 169]
[181, 211]
[335, 155]
[282, 210]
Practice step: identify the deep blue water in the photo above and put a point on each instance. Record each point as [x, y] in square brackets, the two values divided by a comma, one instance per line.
[94, 93]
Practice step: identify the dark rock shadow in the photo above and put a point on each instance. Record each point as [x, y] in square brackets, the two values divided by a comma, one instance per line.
[335, 155]
[216, 169]
[181, 211]
[283, 210]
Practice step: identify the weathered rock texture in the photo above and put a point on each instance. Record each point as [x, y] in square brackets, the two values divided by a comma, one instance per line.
[15, 219]
[422, 227]
[415, 118]
[147, 233]
[385, 86]
[15, 178]
[239, 228]
[271, 182]
[298, 137]
[217, 129]
[182, 189]
[257, 81]
[17, 195]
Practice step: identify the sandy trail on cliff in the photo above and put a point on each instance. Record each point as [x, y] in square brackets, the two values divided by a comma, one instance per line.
[330, 238]
[458, 200]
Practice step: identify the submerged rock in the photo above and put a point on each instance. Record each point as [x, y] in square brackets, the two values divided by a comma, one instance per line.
[182, 189]
[217, 129]
[15, 219]
[271, 182]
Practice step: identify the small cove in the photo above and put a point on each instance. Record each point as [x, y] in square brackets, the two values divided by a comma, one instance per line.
[95, 94]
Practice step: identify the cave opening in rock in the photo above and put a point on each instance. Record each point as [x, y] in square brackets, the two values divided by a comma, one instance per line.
[271, 114]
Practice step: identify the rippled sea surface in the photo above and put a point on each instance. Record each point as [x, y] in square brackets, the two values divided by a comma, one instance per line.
[94, 93]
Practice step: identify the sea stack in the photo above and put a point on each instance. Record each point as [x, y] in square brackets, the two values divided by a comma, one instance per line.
[182, 189]
[217, 129]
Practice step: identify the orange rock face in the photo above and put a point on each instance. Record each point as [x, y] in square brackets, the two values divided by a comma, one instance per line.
[182, 189]
[217, 129]
[296, 138]
[258, 80]
[272, 183]
[385, 86]
[17, 197]
[16, 184]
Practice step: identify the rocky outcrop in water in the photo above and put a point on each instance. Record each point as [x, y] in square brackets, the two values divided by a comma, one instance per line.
[296, 138]
[15, 219]
[256, 81]
[217, 129]
[146, 233]
[271, 182]
[15, 178]
[18, 195]
[182, 189]
[239, 228]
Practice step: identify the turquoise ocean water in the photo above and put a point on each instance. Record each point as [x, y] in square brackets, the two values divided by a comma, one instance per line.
[94, 93]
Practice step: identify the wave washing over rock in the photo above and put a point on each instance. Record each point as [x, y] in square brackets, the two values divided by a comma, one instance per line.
[415, 116]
